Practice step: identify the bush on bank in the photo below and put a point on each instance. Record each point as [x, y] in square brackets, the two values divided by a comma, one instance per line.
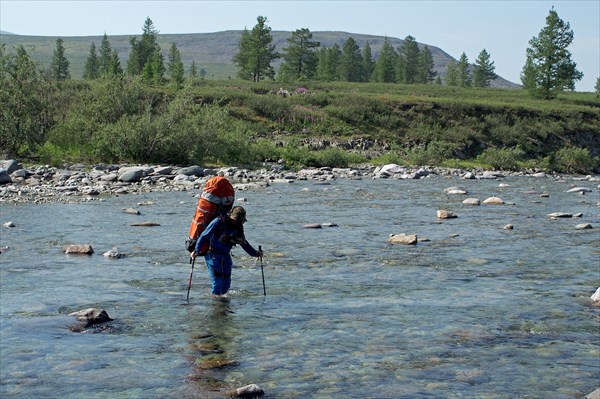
[235, 122]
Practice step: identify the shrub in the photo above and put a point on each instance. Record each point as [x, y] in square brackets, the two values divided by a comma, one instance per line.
[575, 160]
[502, 158]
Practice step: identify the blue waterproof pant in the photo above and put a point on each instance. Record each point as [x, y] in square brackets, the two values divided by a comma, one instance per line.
[219, 269]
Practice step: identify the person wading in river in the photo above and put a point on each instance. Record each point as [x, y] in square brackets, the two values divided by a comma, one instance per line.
[221, 235]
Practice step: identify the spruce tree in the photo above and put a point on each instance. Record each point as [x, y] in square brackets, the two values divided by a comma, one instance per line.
[463, 73]
[452, 73]
[548, 67]
[105, 56]
[328, 63]
[426, 73]
[114, 65]
[59, 68]
[175, 66]
[385, 71]
[408, 61]
[143, 51]
[91, 64]
[483, 70]
[351, 62]
[193, 70]
[368, 63]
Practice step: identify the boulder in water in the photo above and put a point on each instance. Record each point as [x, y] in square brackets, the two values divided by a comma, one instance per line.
[80, 249]
[248, 391]
[406, 239]
[91, 316]
[444, 214]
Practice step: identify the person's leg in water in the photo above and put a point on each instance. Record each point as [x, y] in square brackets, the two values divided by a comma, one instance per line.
[219, 269]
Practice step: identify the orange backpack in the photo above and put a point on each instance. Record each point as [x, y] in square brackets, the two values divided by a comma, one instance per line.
[216, 200]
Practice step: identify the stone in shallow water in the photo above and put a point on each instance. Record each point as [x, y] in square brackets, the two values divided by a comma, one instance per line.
[83, 249]
[248, 391]
[406, 239]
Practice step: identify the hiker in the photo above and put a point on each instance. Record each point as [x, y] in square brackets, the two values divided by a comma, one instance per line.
[221, 235]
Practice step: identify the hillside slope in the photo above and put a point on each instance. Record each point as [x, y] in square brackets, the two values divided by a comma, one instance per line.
[212, 51]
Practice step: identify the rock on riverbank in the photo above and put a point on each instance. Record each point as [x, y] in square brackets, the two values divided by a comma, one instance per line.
[81, 183]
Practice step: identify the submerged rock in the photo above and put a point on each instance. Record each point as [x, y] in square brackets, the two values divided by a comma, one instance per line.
[596, 296]
[248, 391]
[91, 316]
[493, 201]
[560, 215]
[312, 226]
[444, 214]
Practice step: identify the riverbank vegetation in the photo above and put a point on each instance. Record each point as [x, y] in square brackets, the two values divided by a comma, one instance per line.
[121, 119]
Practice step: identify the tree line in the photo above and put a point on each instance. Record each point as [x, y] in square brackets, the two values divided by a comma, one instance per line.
[548, 69]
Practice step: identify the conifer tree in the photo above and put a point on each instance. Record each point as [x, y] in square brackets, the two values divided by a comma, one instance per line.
[300, 59]
[193, 70]
[351, 62]
[483, 70]
[408, 61]
[451, 73]
[59, 68]
[114, 65]
[105, 56]
[426, 73]
[548, 67]
[368, 63]
[175, 66]
[463, 73]
[328, 63]
[143, 51]
[256, 52]
[91, 64]
[385, 64]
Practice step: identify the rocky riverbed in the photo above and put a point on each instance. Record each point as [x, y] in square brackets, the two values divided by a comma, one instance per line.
[83, 183]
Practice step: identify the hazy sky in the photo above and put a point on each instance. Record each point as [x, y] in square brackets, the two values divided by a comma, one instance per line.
[503, 28]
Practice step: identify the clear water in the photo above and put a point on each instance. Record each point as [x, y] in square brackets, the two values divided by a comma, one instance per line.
[475, 312]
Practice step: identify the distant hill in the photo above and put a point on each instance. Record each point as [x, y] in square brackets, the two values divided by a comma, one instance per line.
[212, 51]
[3, 32]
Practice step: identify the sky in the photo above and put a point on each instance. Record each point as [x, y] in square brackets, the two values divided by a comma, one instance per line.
[502, 28]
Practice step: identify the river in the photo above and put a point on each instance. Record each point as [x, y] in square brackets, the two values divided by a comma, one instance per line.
[472, 311]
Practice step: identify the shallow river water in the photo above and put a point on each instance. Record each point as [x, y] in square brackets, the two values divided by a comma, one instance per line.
[472, 311]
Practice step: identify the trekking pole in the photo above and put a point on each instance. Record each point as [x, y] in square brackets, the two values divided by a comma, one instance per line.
[192, 261]
[262, 271]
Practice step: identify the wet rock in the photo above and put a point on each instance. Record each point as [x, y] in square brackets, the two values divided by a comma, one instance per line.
[508, 227]
[593, 395]
[455, 191]
[444, 214]
[91, 316]
[328, 224]
[132, 211]
[580, 190]
[560, 215]
[312, 226]
[146, 224]
[493, 201]
[248, 391]
[80, 249]
[9, 224]
[583, 226]
[596, 296]
[113, 254]
[4, 249]
[468, 176]
[471, 201]
[406, 239]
